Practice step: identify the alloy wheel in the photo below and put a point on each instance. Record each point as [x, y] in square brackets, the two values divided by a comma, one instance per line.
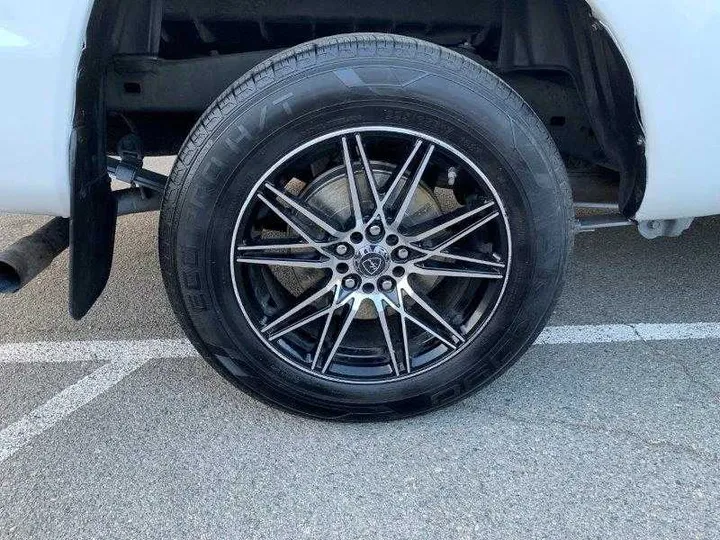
[371, 254]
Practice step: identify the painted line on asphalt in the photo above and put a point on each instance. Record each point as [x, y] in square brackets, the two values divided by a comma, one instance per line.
[124, 357]
[62, 405]
[93, 351]
[621, 333]
[107, 351]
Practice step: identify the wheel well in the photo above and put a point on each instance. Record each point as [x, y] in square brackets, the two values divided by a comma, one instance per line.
[173, 57]
[152, 67]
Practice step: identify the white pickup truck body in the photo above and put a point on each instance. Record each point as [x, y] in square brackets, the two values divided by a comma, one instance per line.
[670, 47]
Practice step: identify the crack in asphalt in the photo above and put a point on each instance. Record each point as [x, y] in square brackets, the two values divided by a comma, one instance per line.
[544, 421]
[706, 456]
[689, 375]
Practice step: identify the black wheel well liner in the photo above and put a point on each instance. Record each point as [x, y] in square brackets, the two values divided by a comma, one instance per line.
[588, 53]
[536, 35]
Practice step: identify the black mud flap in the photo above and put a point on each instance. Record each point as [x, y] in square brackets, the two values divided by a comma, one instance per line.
[93, 207]
[92, 228]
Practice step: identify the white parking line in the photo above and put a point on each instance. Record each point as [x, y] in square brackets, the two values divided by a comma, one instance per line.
[93, 351]
[613, 333]
[17, 435]
[124, 357]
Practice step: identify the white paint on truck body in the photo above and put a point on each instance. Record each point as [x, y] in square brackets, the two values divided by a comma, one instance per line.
[671, 48]
[40, 46]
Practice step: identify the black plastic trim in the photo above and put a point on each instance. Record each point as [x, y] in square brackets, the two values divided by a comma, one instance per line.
[93, 208]
[565, 36]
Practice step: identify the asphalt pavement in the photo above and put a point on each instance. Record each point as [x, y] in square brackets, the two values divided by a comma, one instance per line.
[107, 433]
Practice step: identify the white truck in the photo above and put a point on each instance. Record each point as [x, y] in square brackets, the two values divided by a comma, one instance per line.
[373, 204]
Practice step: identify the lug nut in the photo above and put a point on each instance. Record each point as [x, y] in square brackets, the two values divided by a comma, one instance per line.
[386, 285]
[349, 283]
[375, 230]
[403, 253]
[341, 250]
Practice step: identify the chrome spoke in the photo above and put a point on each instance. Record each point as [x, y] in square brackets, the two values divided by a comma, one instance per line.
[295, 205]
[380, 308]
[403, 329]
[326, 327]
[302, 322]
[429, 330]
[285, 261]
[448, 223]
[463, 258]
[410, 192]
[287, 219]
[462, 234]
[369, 176]
[354, 306]
[269, 247]
[454, 272]
[352, 185]
[299, 307]
[417, 322]
[418, 298]
[307, 320]
[401, 172]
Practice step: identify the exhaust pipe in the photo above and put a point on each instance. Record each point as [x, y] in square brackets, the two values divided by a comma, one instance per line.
[26, 258]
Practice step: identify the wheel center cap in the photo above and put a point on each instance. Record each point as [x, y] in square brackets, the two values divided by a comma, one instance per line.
[371, 261]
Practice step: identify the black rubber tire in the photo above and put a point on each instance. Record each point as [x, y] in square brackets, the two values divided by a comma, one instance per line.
[300, 94]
